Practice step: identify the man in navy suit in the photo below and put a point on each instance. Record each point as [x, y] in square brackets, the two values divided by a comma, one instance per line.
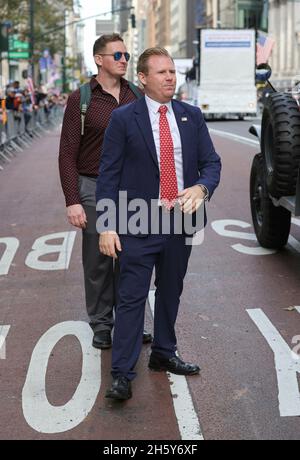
[155, 150]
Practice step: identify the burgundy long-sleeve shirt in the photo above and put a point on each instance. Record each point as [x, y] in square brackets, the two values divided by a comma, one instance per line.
[81, 154]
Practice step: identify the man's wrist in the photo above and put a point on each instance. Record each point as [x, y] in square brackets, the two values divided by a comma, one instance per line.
[205, 191]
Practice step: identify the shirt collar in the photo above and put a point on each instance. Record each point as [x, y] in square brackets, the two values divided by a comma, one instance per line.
[153, 106]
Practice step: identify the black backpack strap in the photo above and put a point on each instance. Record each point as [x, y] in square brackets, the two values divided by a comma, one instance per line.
[136, 90]
[86, 94]
[85, 98]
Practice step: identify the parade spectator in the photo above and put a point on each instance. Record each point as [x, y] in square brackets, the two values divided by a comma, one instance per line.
[10, 98]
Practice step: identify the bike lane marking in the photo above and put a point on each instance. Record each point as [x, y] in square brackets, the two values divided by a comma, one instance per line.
[187, 419]
[3, 334]
[235, 137]
[38, 412]
[287, 364]
[185, 407]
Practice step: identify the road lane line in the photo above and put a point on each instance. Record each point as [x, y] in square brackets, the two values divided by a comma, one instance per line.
[295, 244]
[235, 137]
[187, 419]
[287, 365]
[296, 221]
[3, 334]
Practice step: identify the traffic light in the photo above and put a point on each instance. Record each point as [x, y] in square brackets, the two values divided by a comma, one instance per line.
[133, 22]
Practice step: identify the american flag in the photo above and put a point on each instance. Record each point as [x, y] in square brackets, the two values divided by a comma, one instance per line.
[264, 48]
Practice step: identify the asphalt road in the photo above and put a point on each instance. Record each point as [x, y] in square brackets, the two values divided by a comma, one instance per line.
[233, 320]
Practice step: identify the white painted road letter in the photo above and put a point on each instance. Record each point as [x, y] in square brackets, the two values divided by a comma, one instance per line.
[287, 365]
[12, 245]
[3, 333]
[219, 227]
[38, 412]
[41, 248]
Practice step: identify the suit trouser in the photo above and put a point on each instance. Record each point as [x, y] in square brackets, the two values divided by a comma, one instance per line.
[169, 254]
[99, 270]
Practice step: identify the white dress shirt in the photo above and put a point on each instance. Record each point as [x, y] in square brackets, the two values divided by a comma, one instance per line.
[154, 114]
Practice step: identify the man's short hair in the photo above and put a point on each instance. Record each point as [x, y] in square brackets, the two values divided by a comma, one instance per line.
[102, 41]
[142, 65]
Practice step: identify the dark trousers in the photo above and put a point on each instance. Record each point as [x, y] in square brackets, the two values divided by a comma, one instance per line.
[100, 272]
[169, 255]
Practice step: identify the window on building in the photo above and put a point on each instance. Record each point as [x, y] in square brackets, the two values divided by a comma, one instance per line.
[253, 14]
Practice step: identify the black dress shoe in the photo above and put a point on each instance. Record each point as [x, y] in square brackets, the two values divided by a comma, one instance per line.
[120, 389]
[147, 337]
[102, 340]
[174, 365]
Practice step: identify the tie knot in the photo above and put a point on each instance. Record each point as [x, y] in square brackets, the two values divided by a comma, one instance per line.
[163, 109]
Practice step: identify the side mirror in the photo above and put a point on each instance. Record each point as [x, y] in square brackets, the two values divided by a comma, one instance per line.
[263, 72]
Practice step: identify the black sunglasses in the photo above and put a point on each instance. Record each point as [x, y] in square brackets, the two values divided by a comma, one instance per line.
[118, 55]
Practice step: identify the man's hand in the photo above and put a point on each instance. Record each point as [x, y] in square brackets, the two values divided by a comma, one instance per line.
[191, 199]
[108, 243]
[76, 216]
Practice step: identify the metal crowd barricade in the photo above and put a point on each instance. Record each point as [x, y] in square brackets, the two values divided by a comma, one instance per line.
[12, 128]
[2, 140]
[20, 131]
[40, 121]
[31, 128]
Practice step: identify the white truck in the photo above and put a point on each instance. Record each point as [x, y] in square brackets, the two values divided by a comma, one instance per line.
[226, 79]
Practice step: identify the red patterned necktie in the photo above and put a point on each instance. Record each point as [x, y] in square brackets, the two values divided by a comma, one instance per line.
[168, 178]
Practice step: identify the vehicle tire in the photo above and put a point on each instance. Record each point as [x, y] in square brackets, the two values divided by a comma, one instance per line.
[271, 224]
[281, 143]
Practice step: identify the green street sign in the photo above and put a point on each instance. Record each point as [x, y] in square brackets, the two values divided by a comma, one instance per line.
[18, 45]
[18, 55]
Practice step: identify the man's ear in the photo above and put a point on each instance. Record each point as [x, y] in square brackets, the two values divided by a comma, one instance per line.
[98, 60]
[142, 78]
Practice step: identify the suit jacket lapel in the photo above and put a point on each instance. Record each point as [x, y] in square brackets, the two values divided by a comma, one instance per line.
[185, 135]
[143, 120]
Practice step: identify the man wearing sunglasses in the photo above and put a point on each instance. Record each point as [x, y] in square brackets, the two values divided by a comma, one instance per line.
[79, 158]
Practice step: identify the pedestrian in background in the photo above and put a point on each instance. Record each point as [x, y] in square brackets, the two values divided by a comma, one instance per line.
[79, 157]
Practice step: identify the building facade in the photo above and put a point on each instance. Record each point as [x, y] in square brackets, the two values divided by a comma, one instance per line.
[150, 25]
[237, 14]
[74, 49]
[163, 24]
[121, 13]
[130, 37]
[179, 27]
[284, 27]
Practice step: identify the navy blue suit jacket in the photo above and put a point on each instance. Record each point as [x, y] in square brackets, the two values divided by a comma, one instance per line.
[129, 159]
